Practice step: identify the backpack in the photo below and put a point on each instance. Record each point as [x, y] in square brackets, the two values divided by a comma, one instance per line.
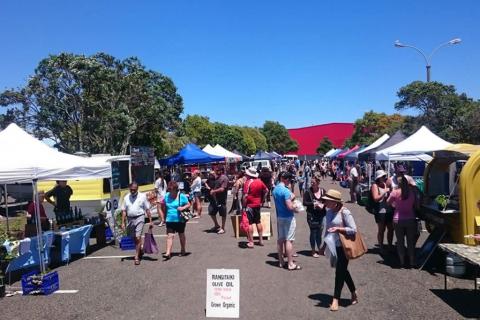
[371, 205]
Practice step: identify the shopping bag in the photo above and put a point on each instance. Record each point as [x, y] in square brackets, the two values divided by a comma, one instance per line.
[353, 245]
[244, 224]
[150, 245]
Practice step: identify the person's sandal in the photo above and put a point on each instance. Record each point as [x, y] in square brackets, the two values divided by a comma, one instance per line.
[137, 262]
[220, 231]
[167, 257]
[250, 245]
[297, 267]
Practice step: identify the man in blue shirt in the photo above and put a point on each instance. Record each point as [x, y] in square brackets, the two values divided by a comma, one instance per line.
[285, 220]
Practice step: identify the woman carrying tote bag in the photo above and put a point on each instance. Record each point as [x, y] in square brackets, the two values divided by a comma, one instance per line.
[338, 221]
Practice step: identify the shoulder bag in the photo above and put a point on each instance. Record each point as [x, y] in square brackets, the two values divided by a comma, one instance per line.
[353, 245]
[185, 214]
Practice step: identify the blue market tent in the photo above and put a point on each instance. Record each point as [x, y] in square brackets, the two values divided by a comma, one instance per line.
[262, 155]
[190, 154]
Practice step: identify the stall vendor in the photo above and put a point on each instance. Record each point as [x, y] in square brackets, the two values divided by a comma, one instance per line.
[31, 206]
[62, 193]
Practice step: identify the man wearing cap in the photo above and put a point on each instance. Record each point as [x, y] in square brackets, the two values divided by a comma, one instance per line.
[218, 200]
[254, 191]
[286, 223]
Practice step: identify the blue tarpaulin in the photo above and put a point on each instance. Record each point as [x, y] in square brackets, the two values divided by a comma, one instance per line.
[190, 154]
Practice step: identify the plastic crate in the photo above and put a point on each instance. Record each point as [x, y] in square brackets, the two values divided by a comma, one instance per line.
[50, 283]
[108, 233]
[127, 243]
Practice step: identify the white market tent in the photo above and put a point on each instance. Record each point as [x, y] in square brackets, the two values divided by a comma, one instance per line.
[26, 159]
[220, 151]
[414, 148]
[209, 149]
[377, 143]
[330, 152]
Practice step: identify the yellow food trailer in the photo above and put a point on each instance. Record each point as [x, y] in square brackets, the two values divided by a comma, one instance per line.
[453, 174]
[91, 196]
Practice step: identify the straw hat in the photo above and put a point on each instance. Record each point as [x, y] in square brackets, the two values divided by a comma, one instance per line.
[333, 195]
[252, 172]
[379, 174]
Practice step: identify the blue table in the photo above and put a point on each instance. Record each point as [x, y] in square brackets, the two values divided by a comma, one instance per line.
[74, 241]
[29, 255]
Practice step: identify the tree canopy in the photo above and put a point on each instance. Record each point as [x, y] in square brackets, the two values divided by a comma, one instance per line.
[451, 115]
[96, 104]
[373, 125]
[278, 138]
[325, 145]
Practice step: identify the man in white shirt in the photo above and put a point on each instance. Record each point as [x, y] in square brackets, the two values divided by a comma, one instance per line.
[134, 207]
[160, 190]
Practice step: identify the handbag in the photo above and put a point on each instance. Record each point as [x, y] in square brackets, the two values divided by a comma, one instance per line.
[149, 244]
[185, 214]
[353, 245]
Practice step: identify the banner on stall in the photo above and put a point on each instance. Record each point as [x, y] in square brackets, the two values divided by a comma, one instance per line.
[223, 293]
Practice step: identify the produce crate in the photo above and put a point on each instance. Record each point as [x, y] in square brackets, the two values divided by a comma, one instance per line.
[50, 283]
[127, 243]
[108, 234]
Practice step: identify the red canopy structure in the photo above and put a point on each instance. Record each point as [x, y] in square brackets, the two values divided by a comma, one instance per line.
[346, 153]
[309, 138]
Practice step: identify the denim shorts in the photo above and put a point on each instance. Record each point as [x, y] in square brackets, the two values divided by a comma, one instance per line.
[286, 228]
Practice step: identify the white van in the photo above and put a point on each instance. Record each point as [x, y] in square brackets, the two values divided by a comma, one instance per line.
[289, 157]
[255, 163]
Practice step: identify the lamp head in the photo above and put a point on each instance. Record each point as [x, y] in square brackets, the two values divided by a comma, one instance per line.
[398, 44]
[455, 41]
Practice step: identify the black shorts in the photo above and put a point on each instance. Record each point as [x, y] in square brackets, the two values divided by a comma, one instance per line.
[176, 227]
[384, 217]
[253, 215]
[214, 208]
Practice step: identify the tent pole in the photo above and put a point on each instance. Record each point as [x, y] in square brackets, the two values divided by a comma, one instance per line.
[388, 168]
[38, 224]
[5, 196]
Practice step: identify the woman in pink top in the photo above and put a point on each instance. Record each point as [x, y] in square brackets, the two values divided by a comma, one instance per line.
[403, 200]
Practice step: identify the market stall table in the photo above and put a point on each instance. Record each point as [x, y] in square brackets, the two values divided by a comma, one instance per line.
[74, 241]
[470, 254]
[28, 252]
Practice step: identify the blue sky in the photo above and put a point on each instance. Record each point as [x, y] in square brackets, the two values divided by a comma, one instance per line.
[244, 62]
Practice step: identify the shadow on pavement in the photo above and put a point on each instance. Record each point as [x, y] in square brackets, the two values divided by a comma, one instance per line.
[324, 300]
[464, 301]
[306, 253]
[274, 264]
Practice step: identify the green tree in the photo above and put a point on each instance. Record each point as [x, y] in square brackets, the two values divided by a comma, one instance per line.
[441, 109]
[325, 145]
[97, 103]
[278, 138]
[198, 129]
[248, 141]
[258, 138]
[373, 125]
[228, 137]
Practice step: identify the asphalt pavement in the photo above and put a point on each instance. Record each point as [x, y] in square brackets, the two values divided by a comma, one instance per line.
[112, 287]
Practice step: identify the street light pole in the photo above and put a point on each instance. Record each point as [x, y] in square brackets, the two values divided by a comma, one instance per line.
[428, 58]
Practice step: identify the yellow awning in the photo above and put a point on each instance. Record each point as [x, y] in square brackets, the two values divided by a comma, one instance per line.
[465, 148]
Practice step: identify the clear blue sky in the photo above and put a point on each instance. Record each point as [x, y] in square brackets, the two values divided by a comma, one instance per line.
[298, 62]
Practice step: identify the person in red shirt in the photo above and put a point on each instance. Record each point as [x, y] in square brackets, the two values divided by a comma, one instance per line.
[254, 191]
[31, 206]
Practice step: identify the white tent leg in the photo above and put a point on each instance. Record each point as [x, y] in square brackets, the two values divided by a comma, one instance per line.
[5, 195]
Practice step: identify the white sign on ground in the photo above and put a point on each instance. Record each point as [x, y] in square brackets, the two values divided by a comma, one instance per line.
[223, 293]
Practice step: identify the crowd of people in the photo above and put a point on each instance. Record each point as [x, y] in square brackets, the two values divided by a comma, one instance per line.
[392, 200]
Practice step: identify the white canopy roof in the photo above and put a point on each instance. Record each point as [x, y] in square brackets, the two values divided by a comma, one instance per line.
[220, 151]
[377, 142]
[330, 152]
[414, 147]
[209, 149]
[25, 158]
